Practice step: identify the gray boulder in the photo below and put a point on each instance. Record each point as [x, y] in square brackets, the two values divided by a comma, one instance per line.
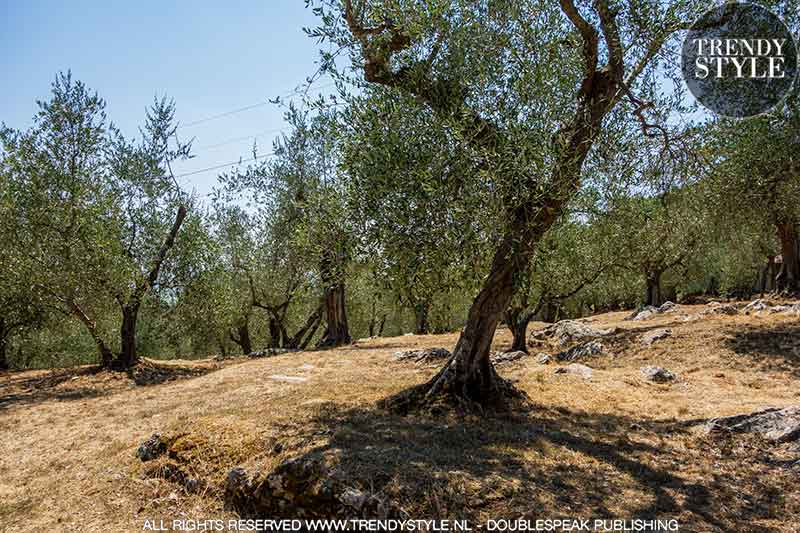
[655, 335]
[567, 332]
[587, 349]
[774, 424]
[423, 355]
[657, 374]
[717, 308]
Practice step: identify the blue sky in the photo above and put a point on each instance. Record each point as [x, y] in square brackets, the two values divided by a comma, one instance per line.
[210, 56]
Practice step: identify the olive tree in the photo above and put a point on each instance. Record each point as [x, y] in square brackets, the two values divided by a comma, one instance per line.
[524, 88]
[96, 214]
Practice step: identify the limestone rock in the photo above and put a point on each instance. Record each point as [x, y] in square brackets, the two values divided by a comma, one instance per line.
[587, 349]
[655, 335]
[649, 311]
[577, 369]
[508, 357]
[755, 306]
[420, 356]
[543, 358]
[717, 308]
[657, 374]
[567, 332]
[774, 424]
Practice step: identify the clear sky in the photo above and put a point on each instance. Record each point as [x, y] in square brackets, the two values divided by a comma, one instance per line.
[211, 56]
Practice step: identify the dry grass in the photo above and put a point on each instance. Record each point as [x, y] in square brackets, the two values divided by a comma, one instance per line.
[611, 446]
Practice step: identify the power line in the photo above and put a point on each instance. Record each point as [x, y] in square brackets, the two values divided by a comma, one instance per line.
[247, 107]
[223, 165]
[239, 139]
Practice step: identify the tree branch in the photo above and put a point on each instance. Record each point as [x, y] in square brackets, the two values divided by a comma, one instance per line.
[588, 33]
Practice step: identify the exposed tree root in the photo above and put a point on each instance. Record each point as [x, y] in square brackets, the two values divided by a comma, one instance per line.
[449, 392]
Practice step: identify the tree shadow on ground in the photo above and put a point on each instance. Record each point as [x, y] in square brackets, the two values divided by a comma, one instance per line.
[40, 388]
[81, 383]
[549, 463]
[775, 347]
[148, 372]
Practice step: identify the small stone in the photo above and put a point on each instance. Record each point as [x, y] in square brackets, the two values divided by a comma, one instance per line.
[543, 359]
[151, 448]
[657, 374]
[666, 307]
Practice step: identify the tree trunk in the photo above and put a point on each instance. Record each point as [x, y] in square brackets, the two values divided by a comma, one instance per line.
[653, 295]
[517, 319]
[274, 333]
[469, 380]
[380, 326]
[788, 278]
[336, 332]
[128, 356]
[421, 310]
[243, 340]
[106, 356]
[519, 329]
[3, 335]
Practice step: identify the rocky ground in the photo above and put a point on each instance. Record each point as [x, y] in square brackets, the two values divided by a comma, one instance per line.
[631, 415]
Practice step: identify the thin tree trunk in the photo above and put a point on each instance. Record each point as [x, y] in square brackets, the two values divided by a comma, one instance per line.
[304, 334]
[128, 356]
[3, 336]
[653, 294]
[788, 278]
[421, 311]
[380, 327]
[105, 353]
[274, 333]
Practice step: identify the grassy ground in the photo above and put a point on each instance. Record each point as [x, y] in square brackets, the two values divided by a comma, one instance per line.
[614, 445]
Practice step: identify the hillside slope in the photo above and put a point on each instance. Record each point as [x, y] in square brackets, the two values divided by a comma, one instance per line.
[615, 444]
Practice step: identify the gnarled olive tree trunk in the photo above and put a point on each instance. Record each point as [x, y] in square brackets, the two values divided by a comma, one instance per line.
[517, 320]
[242, 337]
[336, 331]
